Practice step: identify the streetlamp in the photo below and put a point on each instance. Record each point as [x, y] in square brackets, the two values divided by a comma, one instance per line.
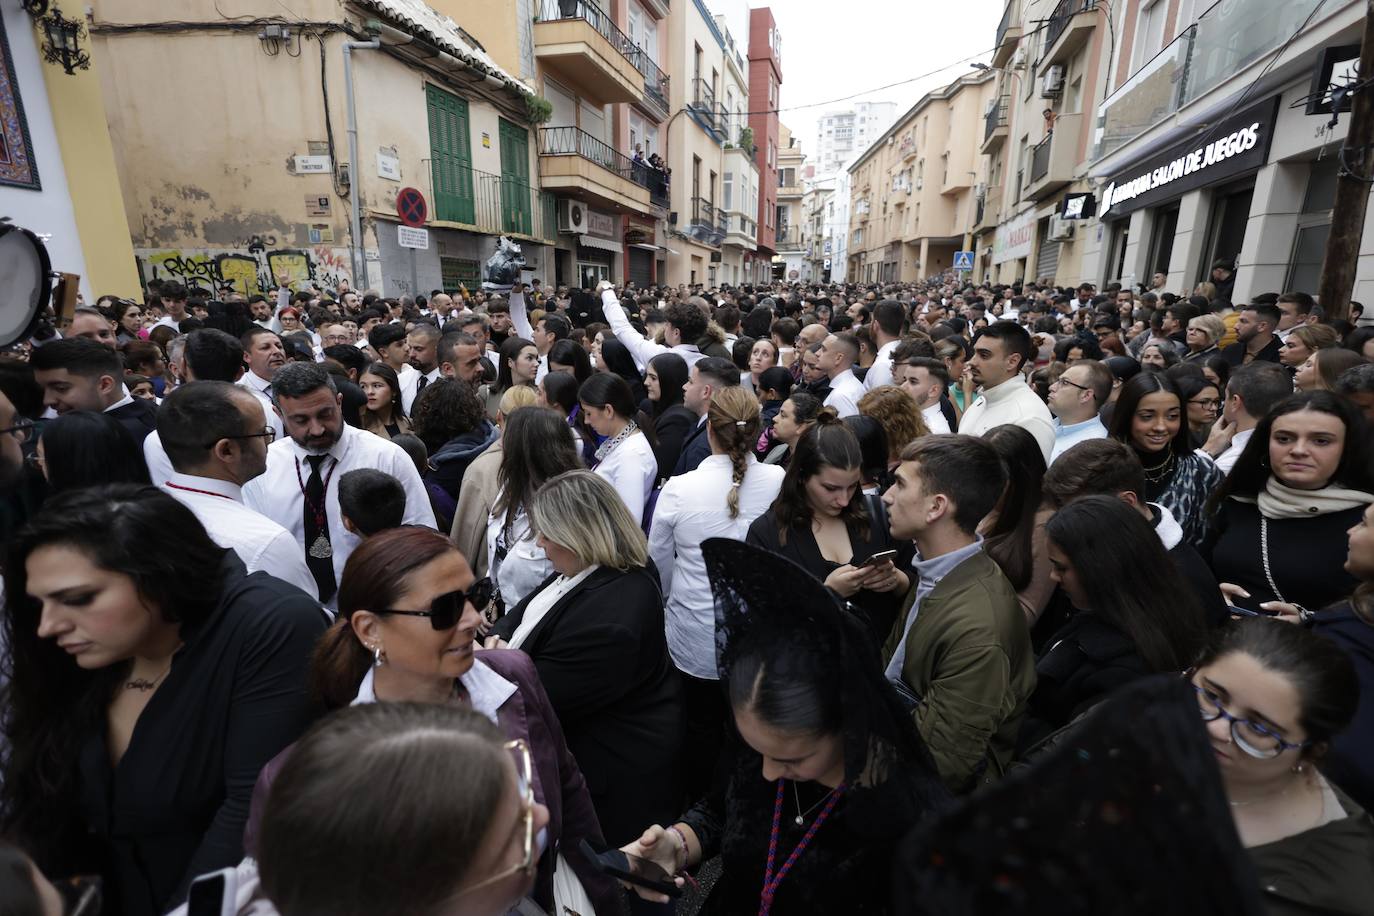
[63, 45]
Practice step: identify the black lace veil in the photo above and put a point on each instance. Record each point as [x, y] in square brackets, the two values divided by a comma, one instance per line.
[1125, 814]
[762, 597]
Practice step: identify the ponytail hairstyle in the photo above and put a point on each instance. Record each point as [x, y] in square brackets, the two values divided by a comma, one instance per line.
[733, 418]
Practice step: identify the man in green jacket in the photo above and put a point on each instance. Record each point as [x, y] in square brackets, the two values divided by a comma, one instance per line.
[962, 648]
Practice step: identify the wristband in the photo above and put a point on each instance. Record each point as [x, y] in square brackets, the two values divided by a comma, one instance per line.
[682, 841]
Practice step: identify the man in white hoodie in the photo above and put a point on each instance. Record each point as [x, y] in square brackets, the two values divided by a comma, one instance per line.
[1106, 467]
[1001, 351]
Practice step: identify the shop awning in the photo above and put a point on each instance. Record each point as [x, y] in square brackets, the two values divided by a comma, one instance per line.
[652, 247]
[591, 241]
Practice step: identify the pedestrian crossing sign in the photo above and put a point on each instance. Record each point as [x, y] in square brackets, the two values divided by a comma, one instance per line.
[963, 260]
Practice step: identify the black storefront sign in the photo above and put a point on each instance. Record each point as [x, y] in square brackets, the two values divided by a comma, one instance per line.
[1238, 144]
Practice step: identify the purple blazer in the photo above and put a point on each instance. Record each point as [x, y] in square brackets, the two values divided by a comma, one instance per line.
[558, 783]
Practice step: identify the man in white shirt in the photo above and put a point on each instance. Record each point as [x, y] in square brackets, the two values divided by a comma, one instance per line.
[1000, 352]
[686, 325]
[215, 435]
[1076, 400]
[838, 354]
[422, 343]
[174, 303]
[1251, 392]
[925, 379]
[886, 328]
[299, 490]
[263, 354]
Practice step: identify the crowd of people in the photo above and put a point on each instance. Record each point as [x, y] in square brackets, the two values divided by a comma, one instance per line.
[318, 601]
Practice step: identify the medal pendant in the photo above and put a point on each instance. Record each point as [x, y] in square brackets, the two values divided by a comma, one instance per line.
[321, 549]
[799, 820]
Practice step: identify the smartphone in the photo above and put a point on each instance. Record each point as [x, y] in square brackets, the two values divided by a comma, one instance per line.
[1248, 607]
[214, 894]
[633, 869]
[881, 556]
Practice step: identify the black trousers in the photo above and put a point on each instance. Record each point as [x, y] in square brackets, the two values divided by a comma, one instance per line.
[706, 712]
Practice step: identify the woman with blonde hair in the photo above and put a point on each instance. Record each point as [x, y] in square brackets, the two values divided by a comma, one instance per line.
[900, 418]
[721, 498]
[1304, 340]
[481, 483]
[1204, 332]
[1320, 370]
[595, 633]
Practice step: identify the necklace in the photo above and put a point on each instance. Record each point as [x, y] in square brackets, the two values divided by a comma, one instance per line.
[321, 549]
[801, 817]
[1161, 470]
[142, 683]
[772, 879]
[1264, 798]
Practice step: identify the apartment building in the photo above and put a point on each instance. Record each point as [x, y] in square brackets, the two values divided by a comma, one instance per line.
[739, 205]
[600, 68]
[790, 255]
[841, 135]
[765, 88]
[914, 193]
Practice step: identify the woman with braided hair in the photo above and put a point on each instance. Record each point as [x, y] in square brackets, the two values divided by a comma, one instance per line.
[721, 498]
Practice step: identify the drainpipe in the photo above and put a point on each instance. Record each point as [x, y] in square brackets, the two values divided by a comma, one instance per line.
[356, 252]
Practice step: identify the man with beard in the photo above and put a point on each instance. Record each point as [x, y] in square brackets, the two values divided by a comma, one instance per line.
[299, 489]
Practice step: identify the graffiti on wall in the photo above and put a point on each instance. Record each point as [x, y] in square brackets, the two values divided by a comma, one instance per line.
[248, 270]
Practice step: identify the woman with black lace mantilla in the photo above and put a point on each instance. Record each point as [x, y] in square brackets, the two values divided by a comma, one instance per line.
[824, 772]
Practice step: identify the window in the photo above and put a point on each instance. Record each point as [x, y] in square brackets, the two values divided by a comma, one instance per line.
[1149, 33]
[727, 185]
[643, 30]
[1314, 225]
[450, 153]
[643, 132]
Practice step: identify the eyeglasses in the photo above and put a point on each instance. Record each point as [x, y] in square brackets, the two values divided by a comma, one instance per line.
[1212, 404]
[1063, 381]
[266, 432]
[525, 769]
[21, 430]
[1251, 737]
[446, 610]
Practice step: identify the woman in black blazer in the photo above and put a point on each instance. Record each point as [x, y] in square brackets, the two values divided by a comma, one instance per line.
[673, 423]
[822, 521]
[595, 633]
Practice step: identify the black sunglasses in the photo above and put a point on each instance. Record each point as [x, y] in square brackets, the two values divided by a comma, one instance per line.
[446, 610]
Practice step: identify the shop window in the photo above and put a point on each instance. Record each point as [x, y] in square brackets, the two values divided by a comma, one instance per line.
[1314, 226]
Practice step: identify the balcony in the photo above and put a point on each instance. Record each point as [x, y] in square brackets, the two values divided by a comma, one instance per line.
[1054, 159]
[579, 42]
[704, 110]
[576, 163]
[1224, 41]
[655, 86]
[705, 226]
[739, 230]
[907, 147]
[1067, 30]
[1008, 34]
[995, 125]
[789, 239]
[496, 205]
[989, 208]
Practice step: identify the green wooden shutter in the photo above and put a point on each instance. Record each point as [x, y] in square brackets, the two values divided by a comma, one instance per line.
[450, 153]
[516, 213]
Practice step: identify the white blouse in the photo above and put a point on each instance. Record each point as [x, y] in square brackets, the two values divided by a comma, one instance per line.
[632, 469]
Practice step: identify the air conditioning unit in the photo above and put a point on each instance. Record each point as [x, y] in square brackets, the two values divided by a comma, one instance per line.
[1052, 83]
[1018, 60]
[572, 216]
[1061, 230]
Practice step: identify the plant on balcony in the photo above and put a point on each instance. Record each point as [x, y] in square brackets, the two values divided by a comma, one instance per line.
[538, 109]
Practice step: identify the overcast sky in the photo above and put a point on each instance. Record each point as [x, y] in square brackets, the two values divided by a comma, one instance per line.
[833, 49]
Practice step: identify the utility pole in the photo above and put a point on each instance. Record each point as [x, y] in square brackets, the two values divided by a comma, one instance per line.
[1352, 187]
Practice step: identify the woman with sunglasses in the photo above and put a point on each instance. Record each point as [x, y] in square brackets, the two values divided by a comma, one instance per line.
[409, 608]
[1272, 697]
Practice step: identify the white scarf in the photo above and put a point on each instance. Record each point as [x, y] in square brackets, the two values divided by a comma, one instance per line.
[1280, 501]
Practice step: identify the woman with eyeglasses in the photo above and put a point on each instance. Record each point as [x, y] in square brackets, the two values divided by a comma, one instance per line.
[1203, 398]
[150, 679]
[409, 608]
[1304, 478]
[1272, 697]
[464, 835]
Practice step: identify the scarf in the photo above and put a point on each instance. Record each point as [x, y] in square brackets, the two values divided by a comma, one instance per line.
[1280, 501]
[609, 445]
